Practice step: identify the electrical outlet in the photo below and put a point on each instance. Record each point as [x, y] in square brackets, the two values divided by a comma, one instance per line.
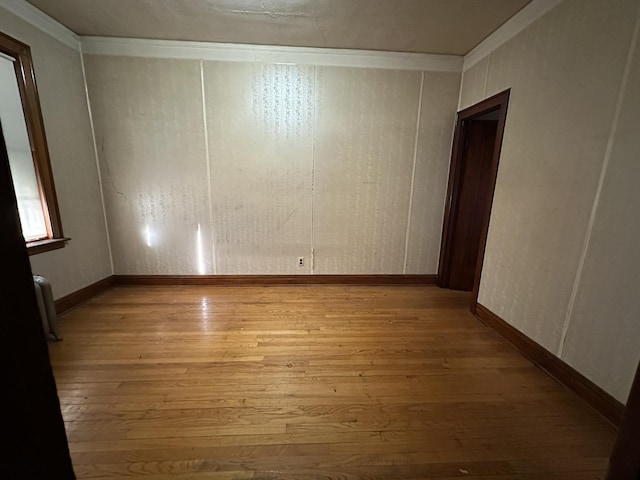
[301, 261]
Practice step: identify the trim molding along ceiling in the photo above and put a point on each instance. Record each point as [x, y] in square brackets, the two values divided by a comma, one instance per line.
[230, 52]
[42, 21]
[521, 20]
[272, 54]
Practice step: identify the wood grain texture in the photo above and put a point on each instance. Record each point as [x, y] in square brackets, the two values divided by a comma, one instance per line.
[565, 374]
[246, 280]
[41, 246]
[309, 382]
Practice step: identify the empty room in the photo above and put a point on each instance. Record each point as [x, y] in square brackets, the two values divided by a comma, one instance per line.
[320, 239]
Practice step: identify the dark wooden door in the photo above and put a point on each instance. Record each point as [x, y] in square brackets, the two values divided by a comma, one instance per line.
[474, 189]
[35, 443]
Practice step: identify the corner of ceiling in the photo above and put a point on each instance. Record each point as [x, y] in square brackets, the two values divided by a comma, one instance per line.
[42, 21]
[521, 20]
[512, 27]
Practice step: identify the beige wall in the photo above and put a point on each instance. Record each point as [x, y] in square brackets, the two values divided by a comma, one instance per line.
[236, 168]
[604, 327]
[58, 70]
[260, 120]
[277, 161]
[565, 73]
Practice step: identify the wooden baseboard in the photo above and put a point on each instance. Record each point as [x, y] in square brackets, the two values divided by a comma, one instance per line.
[608, 406]
[72, 300]
[240, 280]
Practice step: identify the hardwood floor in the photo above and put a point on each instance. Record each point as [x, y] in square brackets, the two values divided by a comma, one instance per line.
[310, 382]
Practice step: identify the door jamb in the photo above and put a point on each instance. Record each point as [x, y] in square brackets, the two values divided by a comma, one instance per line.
[497, 102]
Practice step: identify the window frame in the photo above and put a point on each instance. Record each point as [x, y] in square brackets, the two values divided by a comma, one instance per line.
[25, 77]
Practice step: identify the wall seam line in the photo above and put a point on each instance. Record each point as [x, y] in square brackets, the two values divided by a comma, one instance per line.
[460, 92]
[208, 169]
[413, 174]
[603, 172]
[97, 159]
[486, 76]
[313, 166]
[446, 197]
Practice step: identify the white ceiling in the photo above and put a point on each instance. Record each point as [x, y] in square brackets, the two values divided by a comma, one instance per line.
[426, 26]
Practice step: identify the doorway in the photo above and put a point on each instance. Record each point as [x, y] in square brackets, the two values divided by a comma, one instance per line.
[472, 176]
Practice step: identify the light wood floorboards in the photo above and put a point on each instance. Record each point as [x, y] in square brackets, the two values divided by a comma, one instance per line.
[310, 382]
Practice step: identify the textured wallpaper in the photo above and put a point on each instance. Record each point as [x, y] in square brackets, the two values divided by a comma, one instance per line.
[433, 151]
[603, 333]
[58, 70]
[241, 168]
[474, 82]
[279, 162]
[366, 127]
[564, 72]
[260, 130]
[149, 131]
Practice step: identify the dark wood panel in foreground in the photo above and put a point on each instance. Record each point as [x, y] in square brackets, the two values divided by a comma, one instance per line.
[329, 381]
[34, 440]
[585, 388]
[248, 280]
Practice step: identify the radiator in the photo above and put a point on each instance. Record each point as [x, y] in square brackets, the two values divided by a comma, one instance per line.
[44, 296]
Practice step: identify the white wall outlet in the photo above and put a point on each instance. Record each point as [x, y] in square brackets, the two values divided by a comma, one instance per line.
[301, 261]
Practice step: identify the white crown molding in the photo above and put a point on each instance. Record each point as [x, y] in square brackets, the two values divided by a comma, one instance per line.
[228, 52]
[521, 20]
[42, 21]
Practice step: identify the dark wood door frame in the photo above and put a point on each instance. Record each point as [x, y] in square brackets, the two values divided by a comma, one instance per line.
[33, 430]
[624, 463]
[497, 103]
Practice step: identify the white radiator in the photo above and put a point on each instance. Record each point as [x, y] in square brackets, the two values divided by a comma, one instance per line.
[44, 296]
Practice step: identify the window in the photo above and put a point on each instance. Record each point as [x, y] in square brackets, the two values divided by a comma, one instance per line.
[23, 129]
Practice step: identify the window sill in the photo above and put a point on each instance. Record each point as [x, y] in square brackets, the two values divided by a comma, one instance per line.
[41, 246]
